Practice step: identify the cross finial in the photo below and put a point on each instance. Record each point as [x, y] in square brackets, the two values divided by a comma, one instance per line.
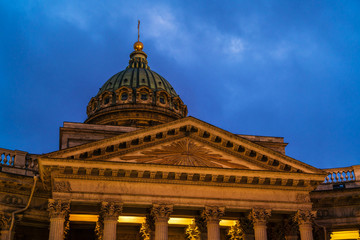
[138, 30]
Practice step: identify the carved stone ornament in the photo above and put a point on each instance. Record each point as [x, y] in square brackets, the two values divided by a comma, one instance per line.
[193, 232]
[259, 215]
[13, 200]
[145, 231]
[111, 210]
[58, 208]
[161, 212]
[304, 216]
[99, 228]
[62, 186]
[5, 220]
[213, 213]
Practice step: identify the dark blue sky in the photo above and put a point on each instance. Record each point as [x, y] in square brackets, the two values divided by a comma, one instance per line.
[273, 68]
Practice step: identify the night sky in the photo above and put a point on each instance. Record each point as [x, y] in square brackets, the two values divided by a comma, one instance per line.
[271, 68]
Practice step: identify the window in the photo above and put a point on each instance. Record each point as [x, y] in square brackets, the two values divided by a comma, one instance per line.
[106, 100]
[176, 106]
[124, 96]
[162, 100]
[144, 96]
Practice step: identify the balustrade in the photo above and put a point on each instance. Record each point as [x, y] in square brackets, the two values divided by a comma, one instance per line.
[340, 175]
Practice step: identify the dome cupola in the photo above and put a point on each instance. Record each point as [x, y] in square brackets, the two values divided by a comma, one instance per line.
[136, 96]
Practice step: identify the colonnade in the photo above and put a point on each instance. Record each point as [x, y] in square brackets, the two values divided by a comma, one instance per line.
[110, 211]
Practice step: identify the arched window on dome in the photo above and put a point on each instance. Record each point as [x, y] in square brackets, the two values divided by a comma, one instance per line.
[123, 95]
[106, 98]
[162, 99]
[144, 95]
[92, 106]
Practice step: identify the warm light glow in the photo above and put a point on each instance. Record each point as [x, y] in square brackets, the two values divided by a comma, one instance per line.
[180, 221]
[83, 218]
[131, 219]
[227, 223]
[345, 235]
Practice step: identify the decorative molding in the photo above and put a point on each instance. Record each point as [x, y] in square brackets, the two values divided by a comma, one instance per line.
[304, 216]
[259, 215]
[13, 200]
[111, 210]
[213, 213]
[58, 208]
[161, 212]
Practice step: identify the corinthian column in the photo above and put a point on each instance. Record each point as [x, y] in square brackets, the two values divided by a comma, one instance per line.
[161, 214]
[212, 216]
[259, 218]
[304, 219]
[58, 210]
[110, 212]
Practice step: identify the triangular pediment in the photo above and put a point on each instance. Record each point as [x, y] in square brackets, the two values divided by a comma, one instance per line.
[187, 142]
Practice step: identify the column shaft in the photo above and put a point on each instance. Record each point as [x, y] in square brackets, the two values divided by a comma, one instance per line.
[57, 228]
[260, 231]
[161, 230]
[306, 231]
[213, 230]
[110, 229]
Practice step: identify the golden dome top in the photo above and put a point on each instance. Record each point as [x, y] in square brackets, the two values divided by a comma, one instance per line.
[138, 46]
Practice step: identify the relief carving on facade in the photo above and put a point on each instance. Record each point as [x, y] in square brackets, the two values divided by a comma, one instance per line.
[259, 215]
[161, 212]
[304, 216]
[62, 186]
[148, 227]
[212, 213]
[184, 152]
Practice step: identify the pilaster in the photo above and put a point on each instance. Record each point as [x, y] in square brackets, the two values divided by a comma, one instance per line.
[5, 221]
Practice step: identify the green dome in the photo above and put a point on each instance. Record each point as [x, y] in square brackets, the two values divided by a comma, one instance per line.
[136, 96]
[135, 78]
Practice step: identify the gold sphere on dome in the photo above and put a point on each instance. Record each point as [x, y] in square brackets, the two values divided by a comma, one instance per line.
[138, 46]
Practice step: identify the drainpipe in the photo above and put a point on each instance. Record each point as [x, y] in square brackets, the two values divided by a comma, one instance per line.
[23, 209]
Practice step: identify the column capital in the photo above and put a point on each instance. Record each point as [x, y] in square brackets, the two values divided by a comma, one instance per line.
[58, 208]
[5, 220]
[304, 216]
[259, 215]
[161, 212]
[111, 210]
[213, 213]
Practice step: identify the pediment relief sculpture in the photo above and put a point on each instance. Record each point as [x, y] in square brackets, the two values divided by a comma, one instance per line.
[184, 152]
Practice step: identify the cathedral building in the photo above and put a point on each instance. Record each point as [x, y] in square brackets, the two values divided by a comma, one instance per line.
[139, 168]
